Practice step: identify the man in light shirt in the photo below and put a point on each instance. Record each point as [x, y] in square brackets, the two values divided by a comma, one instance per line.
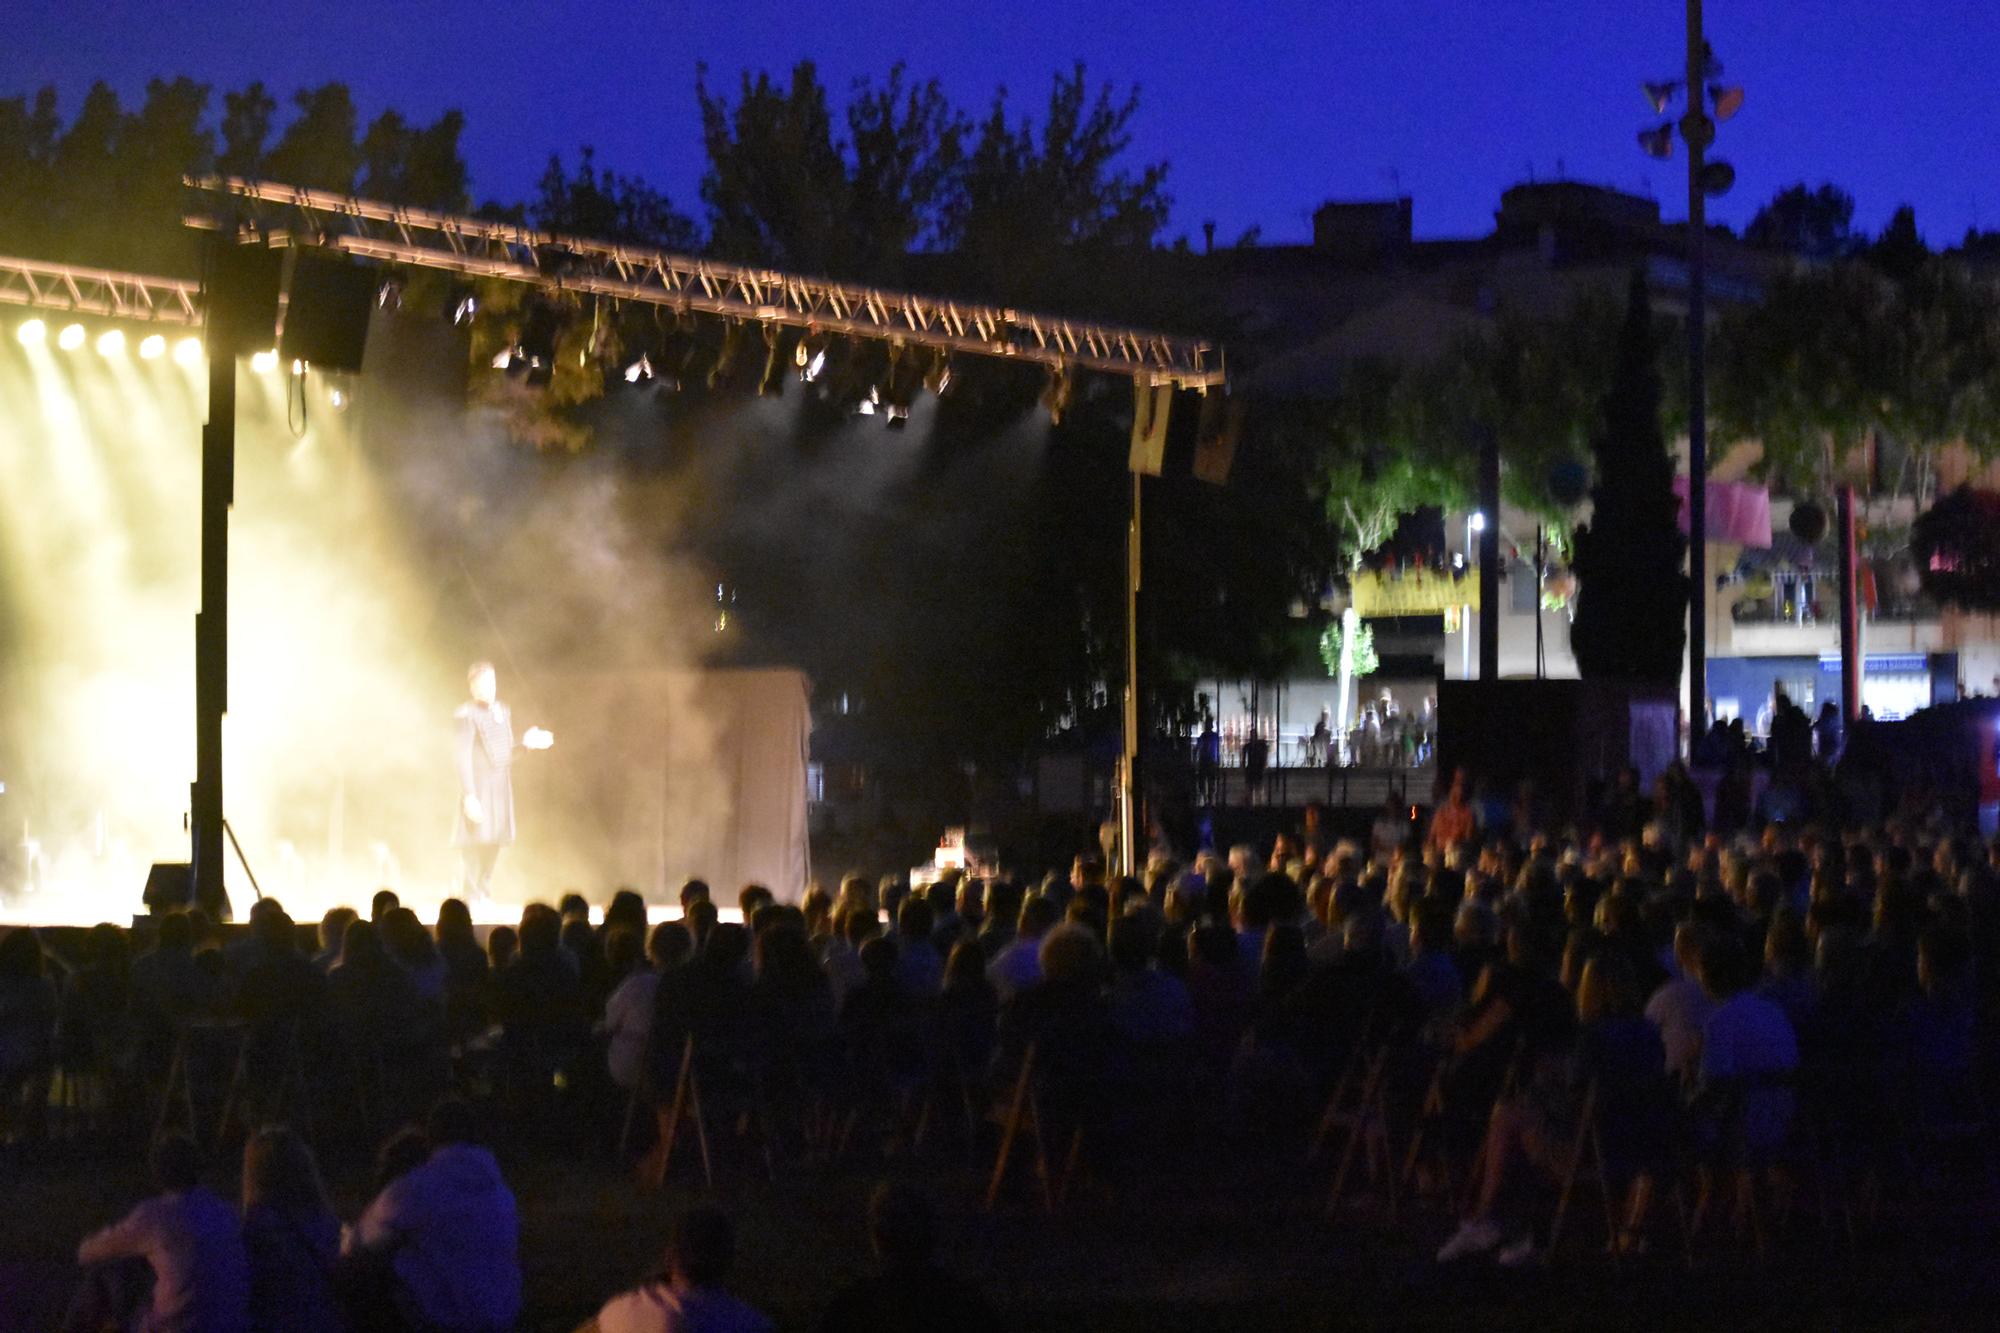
[193, 1242]
[689, 1297]
[1019, 966]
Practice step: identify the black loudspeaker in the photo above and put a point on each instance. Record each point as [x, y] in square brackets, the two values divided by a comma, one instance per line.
[326, 320]
[169, 886]
[242, 294]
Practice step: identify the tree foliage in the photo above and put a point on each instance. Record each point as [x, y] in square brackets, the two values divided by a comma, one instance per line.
[1633, 599]
[1956, 544]
[1811, 223]
[602, 205]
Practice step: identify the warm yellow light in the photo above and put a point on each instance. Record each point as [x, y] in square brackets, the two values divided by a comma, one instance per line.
[111, 342]
[70, 338]
[31, 332]
[152, 347]
[265, 362]
[187, 351]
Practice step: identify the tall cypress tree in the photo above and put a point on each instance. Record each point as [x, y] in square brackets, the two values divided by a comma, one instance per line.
[1633, 596]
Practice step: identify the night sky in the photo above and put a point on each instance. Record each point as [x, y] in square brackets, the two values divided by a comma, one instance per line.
[1263, 109]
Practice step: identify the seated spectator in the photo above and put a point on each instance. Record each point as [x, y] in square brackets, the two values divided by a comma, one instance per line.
[688, 1296]
[449, 1235]
[28, 1008]
[909, 1292]
[968, 1008]
[1147, 1005]
[332, 930]
[290, 1235]
[628, 1014]
[1744, 1099]
[190, 1239]
[1679, 1009]
[503, 944]
[919, 966]
[384, 902]
[1017, 966]
[411, 945]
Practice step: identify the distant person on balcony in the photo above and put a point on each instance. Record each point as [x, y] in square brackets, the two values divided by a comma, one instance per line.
[1256, 762]
[1207, 761]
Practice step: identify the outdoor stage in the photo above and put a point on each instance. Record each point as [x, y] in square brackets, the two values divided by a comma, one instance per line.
[385, 535]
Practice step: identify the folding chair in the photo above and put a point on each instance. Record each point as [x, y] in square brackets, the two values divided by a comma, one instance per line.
[1024, 1114]
[686, 1104]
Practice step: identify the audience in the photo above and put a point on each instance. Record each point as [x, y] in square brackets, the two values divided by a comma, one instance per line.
[909, 1292]
[189, 1239]
[688, 1296]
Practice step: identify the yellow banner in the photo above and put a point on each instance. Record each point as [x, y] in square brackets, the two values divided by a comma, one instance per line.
[1413, 592]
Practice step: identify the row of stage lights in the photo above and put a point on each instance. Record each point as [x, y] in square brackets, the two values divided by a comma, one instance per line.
[111, 342]
[187, 349]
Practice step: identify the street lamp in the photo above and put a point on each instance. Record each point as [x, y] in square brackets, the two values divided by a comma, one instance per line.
[1475, 522]
[1705, 178]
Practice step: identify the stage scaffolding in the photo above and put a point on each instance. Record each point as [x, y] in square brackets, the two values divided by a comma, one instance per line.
[96, 291]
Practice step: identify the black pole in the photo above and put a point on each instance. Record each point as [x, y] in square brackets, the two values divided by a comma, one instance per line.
[1850, 612]
[1697, 131]
[211, 621]
[1489, 555]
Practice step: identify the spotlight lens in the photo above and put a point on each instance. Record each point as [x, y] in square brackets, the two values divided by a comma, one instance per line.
[264, 362]
[32, 331]
[187, 351]
[70, 338]
[152, 347]
[111, 342]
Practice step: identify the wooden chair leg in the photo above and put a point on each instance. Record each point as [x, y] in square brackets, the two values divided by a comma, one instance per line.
[176, 1078]
[700, 1130]
[1010, 1129]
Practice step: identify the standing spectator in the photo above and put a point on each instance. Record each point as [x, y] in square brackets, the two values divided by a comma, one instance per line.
[688, 1296]
[449, 1234]
[190, 1239]
[909, 1292]
[291, 1236]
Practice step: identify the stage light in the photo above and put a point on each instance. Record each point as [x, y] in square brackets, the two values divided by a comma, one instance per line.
[32, 332]
[152, 347]
[1661, 93]
[187, 352]
[463, 312]
[298, 366]
[772, 382]
[1477, 522]
[868, 405]
[111, 342]
[337, 398]
[264, 362]
[70, 338]
[938, 381]
[1728, 101]
[810, 356]
[1658, 142]
[1056, 396]
[389, 296]
[642, 369]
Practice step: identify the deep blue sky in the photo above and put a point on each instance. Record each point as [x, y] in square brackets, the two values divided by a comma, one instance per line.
[1263, 109]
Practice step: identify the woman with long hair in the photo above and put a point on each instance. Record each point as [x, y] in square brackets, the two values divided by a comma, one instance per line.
[291, 1235]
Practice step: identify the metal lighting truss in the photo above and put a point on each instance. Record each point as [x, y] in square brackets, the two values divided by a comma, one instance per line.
[96, 291]
[419, 238]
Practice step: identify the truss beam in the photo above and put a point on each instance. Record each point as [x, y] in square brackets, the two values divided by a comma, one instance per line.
[478, 248]
[96, 291]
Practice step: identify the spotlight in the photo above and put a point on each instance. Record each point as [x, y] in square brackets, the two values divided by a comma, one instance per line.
[1728, 101]
[1477, 522]
[725, 356]
[337, 398]
[642, 369]
[264, 362]
[187, 352]
[1717, 176]
[868, 405]
[389, 296]
[810, 356]
[298, 367]
[463, 312]
[772, 383]
[1056, 396]
[938, 381]
[111, 342]
[70, 338]
[1658, 142]
[1658, 95]
[505, 358]
[32, 332]
[152, 347]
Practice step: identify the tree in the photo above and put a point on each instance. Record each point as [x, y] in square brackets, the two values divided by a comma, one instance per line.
[605, 206]
[1813, 224]
[1956, 544]
[318, 150]
[1038, 202]
[246, 124]
[418, 166]
[776, 187]
[1900, 251]
[1633, 599]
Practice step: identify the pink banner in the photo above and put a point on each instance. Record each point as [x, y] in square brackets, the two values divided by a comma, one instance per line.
[1738, 511]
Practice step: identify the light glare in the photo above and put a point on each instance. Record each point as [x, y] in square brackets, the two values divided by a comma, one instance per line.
[264, 362]
[32, 332]
[70, 338]
[187, 351]
[111, 342]
[152, 347]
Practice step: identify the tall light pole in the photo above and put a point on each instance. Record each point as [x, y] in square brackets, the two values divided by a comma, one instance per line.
[1703, 179]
